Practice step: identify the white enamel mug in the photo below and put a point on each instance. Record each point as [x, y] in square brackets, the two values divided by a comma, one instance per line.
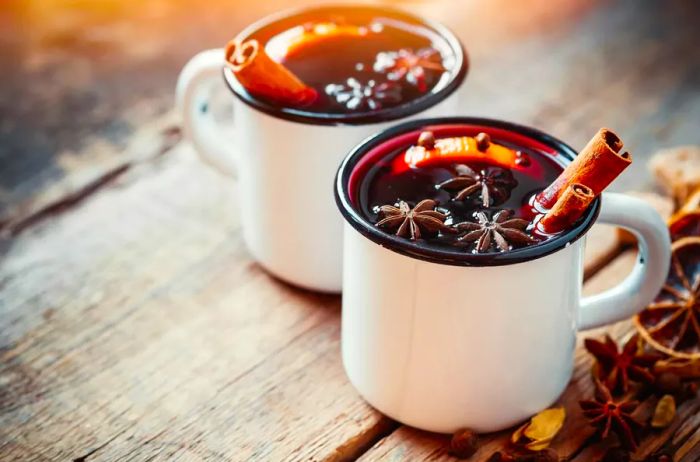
[442, 340]
[285, 159]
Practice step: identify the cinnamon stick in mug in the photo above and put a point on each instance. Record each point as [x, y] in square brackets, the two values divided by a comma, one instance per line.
[262, 76]
[569, 208]
[596, 166]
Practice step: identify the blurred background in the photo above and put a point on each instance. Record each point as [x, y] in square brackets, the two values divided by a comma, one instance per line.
[79, 77]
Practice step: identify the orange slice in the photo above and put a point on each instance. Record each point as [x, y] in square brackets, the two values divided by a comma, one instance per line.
[461, 148]
[671, 324]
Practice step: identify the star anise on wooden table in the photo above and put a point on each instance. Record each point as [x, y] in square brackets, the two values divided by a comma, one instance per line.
[409, 65]
[501, 231]
[608, 415]
[491, 183]
[615, 368]
[412, 223]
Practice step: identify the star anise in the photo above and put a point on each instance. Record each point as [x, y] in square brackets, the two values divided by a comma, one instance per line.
[371, 95]
[491, 183]
[410, 65]
[412, 223]
[501, 230]
[608, 415]
[615, 368]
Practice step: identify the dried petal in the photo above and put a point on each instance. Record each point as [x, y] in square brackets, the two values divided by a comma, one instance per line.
[501, 216]
[467, 191]
[664, 413]
[538, 433]
[391, 222]
[427, 204]
[472, 235]
[484, 242]
[516, 236]
[500, 242]
[515, 223]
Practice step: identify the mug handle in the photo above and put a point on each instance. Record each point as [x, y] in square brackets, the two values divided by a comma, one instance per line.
[648, 276]
[193, 93]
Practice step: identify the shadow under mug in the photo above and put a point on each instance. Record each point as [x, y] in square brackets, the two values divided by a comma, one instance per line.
[285, 159]
[443, 339]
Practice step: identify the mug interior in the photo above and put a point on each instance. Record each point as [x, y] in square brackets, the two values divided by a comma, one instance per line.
[264, 29]
[356, 165]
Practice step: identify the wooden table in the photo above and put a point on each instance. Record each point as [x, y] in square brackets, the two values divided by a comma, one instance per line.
[134, 325]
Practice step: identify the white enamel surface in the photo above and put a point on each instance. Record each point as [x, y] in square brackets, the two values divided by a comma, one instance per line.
[285, 172]
[650, 272]
[443, 347]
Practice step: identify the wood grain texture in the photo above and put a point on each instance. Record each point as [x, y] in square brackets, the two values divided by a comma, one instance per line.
[159, 338]
[133, 324]
[159, 328]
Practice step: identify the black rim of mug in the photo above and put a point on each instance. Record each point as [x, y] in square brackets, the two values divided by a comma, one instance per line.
[384, 115]
[450, 257]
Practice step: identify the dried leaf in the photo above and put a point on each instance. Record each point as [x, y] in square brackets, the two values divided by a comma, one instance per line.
[538, 445]
[664, 413]
[539, 432]
[684, 368]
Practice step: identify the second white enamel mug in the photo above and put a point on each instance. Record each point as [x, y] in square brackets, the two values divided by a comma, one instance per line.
[446, 340]
[285, 159]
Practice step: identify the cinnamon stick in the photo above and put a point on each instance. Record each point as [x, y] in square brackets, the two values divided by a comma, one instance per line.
[596, 166]
[262, 76]
[568, 208]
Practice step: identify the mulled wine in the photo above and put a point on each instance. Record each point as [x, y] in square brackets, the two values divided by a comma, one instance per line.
[356, 59]
[473, 193]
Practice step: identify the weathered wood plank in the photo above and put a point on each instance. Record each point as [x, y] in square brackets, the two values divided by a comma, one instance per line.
[148, 319]
[147, 323]
[136, 327]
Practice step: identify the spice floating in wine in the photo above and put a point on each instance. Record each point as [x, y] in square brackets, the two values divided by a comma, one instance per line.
[569, 196]
[488, 195]
[598, 164]
[474, 184]
[342, 60]
[264, 77]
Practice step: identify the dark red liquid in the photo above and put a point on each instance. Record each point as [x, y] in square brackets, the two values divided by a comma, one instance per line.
[389, 180]
[360, 73]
